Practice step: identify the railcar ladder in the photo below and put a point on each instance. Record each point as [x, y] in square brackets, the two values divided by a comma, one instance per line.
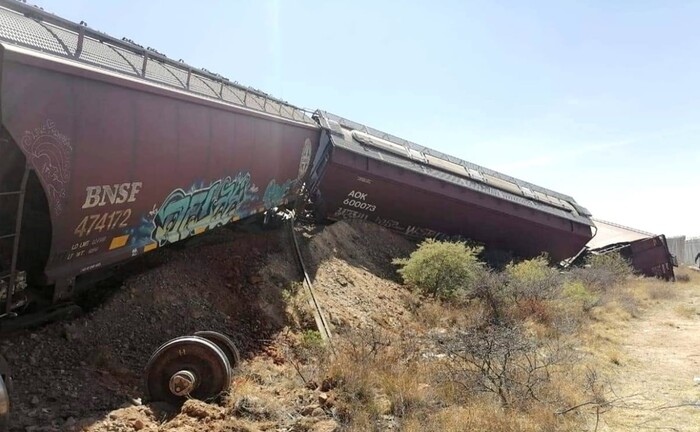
[9, 279]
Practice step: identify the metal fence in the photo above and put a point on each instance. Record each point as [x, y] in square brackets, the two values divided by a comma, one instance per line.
[685, 249]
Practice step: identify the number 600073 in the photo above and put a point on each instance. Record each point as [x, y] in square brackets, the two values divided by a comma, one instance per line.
[359, 204]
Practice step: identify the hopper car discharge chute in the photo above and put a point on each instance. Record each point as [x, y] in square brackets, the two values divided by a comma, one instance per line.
[362, 173]
[109, 150]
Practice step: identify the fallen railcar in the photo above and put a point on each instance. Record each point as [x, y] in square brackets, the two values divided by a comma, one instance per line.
[648, 254]
[363, 173]
[109, 150]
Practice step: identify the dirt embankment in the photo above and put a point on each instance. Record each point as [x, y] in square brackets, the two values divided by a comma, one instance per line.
[86, 375]
[67, 371]
[354, 278]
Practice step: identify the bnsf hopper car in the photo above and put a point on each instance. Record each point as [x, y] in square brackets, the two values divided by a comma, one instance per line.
[109, 150]
[374, 176]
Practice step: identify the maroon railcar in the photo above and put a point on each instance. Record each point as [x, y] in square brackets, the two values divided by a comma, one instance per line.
[647, 256]
[367, 174]
[125, 150]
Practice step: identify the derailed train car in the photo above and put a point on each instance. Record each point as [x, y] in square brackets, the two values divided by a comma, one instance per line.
[648, 256]
[363, 173]
[647, 253]
[109, 150]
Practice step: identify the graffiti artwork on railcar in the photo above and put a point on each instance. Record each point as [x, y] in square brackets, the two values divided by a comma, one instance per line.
[275, 193]
[394, 225]
[184, 213]
[305, 160]
[50, 153]
[346, 213]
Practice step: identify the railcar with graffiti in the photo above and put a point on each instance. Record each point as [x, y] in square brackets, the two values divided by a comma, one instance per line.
[109, 151]
[111, 159]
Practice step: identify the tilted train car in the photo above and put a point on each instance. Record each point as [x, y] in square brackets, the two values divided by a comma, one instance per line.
[647, 253]
[109, 150]
[363, 173]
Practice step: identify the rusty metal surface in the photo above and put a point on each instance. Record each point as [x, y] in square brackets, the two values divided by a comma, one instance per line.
[127, 167]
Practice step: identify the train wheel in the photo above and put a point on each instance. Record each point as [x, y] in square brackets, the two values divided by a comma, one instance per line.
[224, 343]
[5, 389]
[187, 367]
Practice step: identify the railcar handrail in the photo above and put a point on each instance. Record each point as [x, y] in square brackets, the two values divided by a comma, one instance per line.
[83, 32]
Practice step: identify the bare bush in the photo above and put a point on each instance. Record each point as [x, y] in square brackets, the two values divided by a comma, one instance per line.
[502, 360]
[490, 288]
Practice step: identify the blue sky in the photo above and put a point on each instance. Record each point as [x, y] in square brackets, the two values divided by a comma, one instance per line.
[599, 100]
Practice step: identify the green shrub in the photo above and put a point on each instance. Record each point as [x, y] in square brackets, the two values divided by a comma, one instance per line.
[532, 279]
[603, 271]
[613, 262]
[309, 345]
[577, 292]
[440, 268]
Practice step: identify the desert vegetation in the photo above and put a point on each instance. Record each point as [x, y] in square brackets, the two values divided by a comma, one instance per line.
[436, 340]
[489, 350]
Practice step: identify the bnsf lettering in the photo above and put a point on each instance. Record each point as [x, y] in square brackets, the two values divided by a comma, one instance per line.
[98, 196]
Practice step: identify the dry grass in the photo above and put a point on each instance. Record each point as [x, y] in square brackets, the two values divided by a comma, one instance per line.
[412, 381]
[684, 275]
[661, 291]
[379, 377]
[683, 278]
[686, 311]
[434, 314]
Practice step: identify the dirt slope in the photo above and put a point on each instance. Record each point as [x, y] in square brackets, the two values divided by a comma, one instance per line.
[354, 279]
[86, 375]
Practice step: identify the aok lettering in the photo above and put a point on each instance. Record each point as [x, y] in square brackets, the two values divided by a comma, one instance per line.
[358, 200]
[98, 196]
[358, 195]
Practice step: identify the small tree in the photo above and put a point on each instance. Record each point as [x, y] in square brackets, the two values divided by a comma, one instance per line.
[440, 268]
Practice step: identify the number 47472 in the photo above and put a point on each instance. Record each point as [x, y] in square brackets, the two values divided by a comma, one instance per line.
[103, 222]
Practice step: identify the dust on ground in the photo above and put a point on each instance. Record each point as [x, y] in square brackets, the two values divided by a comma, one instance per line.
[657, 382]
[86, 374]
